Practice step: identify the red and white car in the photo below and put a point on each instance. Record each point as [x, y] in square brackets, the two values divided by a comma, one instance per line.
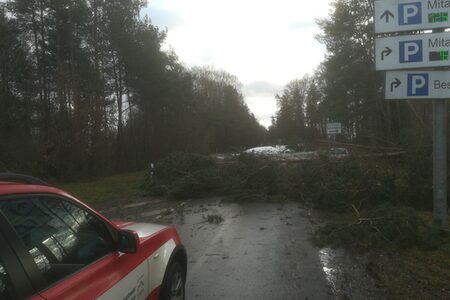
[53, 246]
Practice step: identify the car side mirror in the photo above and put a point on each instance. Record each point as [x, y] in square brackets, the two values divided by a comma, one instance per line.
[128, 241]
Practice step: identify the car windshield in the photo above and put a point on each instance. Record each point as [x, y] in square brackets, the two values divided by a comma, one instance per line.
[60, 237]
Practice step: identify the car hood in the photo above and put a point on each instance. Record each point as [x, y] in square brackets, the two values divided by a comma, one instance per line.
[142, 229]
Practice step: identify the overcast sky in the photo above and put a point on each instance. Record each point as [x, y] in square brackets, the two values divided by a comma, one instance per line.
[264, 43]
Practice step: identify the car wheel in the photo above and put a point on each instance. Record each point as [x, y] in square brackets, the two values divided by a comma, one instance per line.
[173, 285]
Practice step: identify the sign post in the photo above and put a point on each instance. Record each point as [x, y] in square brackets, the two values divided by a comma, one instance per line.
[440, 162]
[334, 129]
[419, 51]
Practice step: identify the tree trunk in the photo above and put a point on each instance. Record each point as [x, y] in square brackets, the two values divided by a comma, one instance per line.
[118, 90]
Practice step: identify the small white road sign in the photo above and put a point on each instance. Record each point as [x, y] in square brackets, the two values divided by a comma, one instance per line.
[417, 85]
[410, 15]
[413, 51]
[334, 128]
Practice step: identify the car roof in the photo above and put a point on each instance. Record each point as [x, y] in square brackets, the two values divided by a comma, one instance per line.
[17, 188]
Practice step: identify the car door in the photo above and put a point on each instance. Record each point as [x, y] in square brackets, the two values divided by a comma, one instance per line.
[69, 252]
[14, 283]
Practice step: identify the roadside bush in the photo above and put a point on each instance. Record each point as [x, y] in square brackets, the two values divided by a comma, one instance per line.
[326, 184]
[184, 175]
[251, 178]
[418, 164]
[190, 175]
[377, 191]
[383, 226]
[336, 185]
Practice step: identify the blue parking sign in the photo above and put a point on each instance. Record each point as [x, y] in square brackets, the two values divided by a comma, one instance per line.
[411, 51]
[418, 84]
[410, 13]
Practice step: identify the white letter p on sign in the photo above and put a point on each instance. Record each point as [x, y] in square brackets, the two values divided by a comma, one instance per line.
[410, 50]
[418, 82]
[410, 11]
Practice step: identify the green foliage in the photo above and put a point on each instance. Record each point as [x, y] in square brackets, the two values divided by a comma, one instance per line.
[336, 185]
[418, 164]
[326, 184]
[290, 118]
[377, 192]
[346, 88]
[15, 104]
[383, 226]
[348, 80]
[192, 175]
[249, 176]
[183, 176]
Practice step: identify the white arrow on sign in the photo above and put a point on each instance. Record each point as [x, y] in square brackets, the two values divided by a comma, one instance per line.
[417, 85]
[413, 51]
[409, 15]
[334, 131]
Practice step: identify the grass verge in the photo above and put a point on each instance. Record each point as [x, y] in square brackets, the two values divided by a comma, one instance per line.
[408, 256]
[412, 273]
[102, 190]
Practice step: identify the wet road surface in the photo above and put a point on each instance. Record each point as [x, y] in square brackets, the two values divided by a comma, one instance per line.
[258, 252]
[254, 251]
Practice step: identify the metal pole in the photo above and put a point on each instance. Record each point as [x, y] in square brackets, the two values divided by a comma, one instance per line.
[440, 160]
[440, 163]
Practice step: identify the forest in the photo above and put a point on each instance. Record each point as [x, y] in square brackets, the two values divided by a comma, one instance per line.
[346, 88]
[86, 90]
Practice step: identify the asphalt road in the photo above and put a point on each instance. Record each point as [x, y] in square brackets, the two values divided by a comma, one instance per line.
[255, 251]
[258, 252]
